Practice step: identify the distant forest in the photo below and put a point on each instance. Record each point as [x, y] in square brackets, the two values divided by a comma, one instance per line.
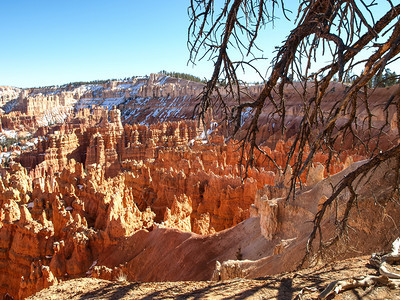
[102, 81]
[183, 76]
[384, 79]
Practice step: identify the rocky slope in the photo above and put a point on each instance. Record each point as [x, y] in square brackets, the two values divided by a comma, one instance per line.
[306, 283]
[97, 196]
[144, 100]
[159, 98]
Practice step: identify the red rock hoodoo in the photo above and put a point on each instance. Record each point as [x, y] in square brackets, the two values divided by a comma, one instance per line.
[114, 187]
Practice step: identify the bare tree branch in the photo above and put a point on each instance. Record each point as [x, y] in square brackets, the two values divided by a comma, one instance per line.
[348, 36]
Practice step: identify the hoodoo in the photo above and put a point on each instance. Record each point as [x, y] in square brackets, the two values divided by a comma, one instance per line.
[111, 188]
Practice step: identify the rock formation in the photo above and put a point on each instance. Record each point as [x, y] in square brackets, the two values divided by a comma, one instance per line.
[98, 196]
[93, 182]
[8, 94]
[146, 100]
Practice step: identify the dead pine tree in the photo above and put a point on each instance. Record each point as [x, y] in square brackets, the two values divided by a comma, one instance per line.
[349, 36]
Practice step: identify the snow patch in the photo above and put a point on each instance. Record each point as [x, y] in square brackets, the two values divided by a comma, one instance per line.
[162, 80]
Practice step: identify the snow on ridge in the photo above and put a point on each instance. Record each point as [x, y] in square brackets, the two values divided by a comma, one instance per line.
[135, 89]
[123, 94]
[246, 114]
[142, 101]
[87, 102]
[55, 115]
[162, 80]
[86, 88]
[6, 133]
[124, 86]
[110, 102]
[165, 109]
[6, 91]
[9, 106]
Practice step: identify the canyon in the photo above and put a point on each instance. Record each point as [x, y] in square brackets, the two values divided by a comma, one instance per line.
[111, 179]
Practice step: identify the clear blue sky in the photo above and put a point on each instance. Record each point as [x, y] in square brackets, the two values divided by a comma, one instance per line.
[54, 42]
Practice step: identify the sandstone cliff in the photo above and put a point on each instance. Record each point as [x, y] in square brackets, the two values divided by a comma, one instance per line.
[97, 196]
[142, 99]
[91, 183]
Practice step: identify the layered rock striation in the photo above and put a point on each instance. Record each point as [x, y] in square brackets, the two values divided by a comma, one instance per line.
[91, 183]
[97, 196]
[143, 100]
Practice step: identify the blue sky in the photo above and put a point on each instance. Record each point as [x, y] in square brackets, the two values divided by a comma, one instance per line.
[55, 42]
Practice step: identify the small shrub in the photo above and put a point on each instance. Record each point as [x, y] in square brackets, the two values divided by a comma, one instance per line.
[122, 277]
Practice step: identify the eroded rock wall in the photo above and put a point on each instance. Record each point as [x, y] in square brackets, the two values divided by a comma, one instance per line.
[92, 183]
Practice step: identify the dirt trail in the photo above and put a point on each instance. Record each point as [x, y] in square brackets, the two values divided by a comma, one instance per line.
[284, 286]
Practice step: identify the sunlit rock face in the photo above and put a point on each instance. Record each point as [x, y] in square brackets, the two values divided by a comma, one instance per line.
[92, 182]
[103, 190]
[145, 100]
